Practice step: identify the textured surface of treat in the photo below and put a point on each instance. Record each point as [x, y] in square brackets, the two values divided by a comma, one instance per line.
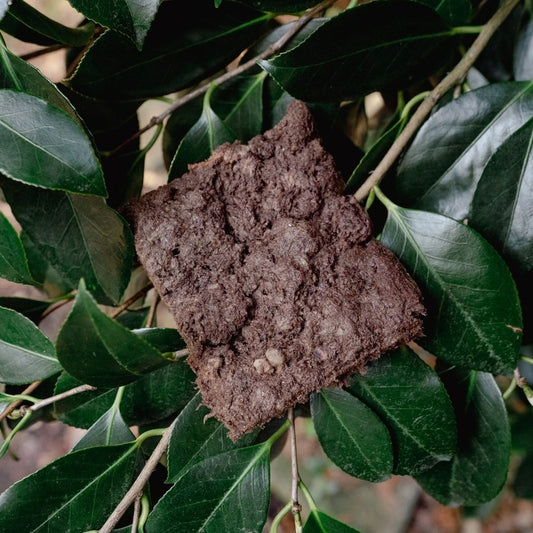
[272, 275]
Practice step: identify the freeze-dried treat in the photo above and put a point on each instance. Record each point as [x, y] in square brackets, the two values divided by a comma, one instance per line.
[272, 275]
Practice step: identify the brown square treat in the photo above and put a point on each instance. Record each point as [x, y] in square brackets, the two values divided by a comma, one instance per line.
[272, 275]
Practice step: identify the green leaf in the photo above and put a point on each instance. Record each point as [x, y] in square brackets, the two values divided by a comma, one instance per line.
[26, 355]
[523, 54]
[163, 339]
[97, 350]
[474, 317]
[109, 429]
[128, 17]
[352, 436]
[74, 493]
[506, 187]
[319, 522]
[43, 146]
[196, 437]
[454, 12]
[27, 24]
[200, 141]
[78, 235]
[196, 42]
[280, 6]
[152, 398]
[479, 468]
[15, 73]
[384, 44]
[461, 137]
[13, 261]
[32, 309]
[409, 397]
[227, 492]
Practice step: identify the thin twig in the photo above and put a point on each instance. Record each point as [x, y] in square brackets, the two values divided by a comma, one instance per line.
[139, 483]
[296, 507]
[59, 397]
[136, 513]
[43, 51]
[152, 312]
[139, 294]
[274, 48]
[455, 76]
[10, 408]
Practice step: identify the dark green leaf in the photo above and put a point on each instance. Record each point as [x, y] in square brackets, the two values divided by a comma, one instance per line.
[200, 141]
[523, 54]
[97, 350]
[26, 355]
[196, 437]
[109, 429]
[78, 235]
[319, 522]
[153, 397]
[27, 24]
[479, 469]
[15, 73]
[280, 6]
[195, 42]
[352, 436]
[74, 493]
[163, 339]
[32, 309]
[411, 400]
[441, 169]
[454, 12]
[43, 146]
[383, 44]
[506, 187]
[227, 492]
[13, 261]
[474, 316]
[129, 17]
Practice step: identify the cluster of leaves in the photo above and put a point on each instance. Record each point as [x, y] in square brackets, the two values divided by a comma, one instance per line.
[465, 187]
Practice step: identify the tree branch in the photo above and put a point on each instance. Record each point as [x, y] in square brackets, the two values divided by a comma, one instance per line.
[274, 48]
[139, 483]
[423, 111]
[296, 507]
[58, 397]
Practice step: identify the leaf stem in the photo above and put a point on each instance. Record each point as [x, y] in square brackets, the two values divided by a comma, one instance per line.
[274, 48]
[5, 445]
[140, 482]
[279, 517]
[466, 30]
[423, 111]
[28, 390]
[309, 498]
[526, 359]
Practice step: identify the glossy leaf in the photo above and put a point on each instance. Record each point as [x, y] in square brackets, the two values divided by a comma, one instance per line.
[26, 354]
[153, 397]
[474, 317]
[13, 261]
[319, 522]
[200, 141]
[506, 187]
[454, 12]
[129, 17]
[28, 24]
[409, 397]
[352, 436]
[43, 146]
[78, 235]
[109, 354]
[67, 494]
[109, 429]
[227, 492]
[196, 437]
[383, 44]
[17, 74]
[478, 470]
[523, 54]
[461, 137]
[195, 42]
[162, 339]
[32, 309]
